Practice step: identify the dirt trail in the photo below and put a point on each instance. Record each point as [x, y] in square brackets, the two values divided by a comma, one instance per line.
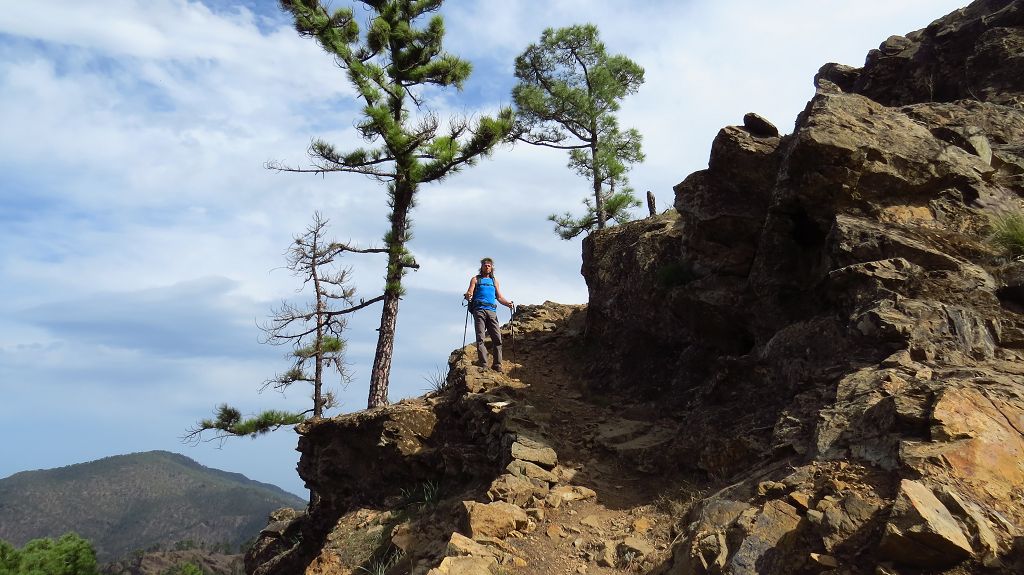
[601, 449]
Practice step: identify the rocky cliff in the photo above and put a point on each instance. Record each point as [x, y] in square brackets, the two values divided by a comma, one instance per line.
[815, 363]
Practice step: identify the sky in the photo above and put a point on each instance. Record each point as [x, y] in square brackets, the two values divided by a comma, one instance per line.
[143, 239]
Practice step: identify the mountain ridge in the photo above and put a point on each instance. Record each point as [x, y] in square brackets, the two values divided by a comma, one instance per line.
[136, 501]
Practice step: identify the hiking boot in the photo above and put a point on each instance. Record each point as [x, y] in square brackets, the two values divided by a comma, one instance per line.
[498, 368]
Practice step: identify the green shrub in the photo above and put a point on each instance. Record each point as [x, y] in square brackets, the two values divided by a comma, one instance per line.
[68, 555]
[1008, 233]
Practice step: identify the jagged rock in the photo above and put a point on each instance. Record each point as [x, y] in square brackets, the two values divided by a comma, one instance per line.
[466, 566]
[845, 518]
[535, 513]
[712, 552]
[534, 451]
[635, 548]
[759, 126]
[459, 545]
[515, 490]
[984, 533]
[766, 537]
[981, 42]
[844, 77]
[826, 561]
[608, 554]
[496, 519]
[979, 443]
[564, 493]
[403, 538]
[281, 520]
[921, 531]
[771, 489]
[530, 470]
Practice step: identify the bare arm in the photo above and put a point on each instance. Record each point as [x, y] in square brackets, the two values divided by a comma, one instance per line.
[497, 292]
[472, 287]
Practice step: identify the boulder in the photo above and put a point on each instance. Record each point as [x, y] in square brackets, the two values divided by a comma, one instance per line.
[516, 490]
[845, 518]
[635, 548]
[466, 566]
[759, 126]
[767, 537]
[534, 451]
[459, 545]
[530, 470]
[921, 532]
[496, 519]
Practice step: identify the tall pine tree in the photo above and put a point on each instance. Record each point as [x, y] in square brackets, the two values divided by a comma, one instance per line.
[390, 61]
[568, 92]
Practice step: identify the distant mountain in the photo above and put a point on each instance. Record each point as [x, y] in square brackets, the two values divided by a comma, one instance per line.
[160, 562]
[137, 501]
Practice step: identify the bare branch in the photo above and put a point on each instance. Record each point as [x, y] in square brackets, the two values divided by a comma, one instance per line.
[551, 145]
[348, 248]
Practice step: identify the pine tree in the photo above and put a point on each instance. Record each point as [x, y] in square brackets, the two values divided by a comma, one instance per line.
[390, 62]
[568, 92]
[314, 330]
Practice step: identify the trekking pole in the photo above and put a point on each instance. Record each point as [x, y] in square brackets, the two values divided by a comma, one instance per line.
[513, 328]
[465, 330]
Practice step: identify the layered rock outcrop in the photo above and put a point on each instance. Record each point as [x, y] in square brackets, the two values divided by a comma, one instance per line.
[829, 295]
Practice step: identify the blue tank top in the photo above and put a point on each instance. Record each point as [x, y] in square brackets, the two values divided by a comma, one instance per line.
[484, 296]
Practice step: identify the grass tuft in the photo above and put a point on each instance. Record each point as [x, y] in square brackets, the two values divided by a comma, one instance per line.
[382, 565]
[437, 380]
[1008, 233]
[427, 493]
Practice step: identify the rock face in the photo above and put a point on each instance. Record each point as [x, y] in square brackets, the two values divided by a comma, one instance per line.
[829, 295]
[974, 53]
[828, 348]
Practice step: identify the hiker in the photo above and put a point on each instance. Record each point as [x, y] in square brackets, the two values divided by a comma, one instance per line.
[483, 296]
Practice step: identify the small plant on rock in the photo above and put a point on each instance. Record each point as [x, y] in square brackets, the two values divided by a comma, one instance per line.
[1008, 233]
[427, 493]
[437, 380]
[383, 565]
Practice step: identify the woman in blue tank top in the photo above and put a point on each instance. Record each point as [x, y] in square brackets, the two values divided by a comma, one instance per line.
[483, 296]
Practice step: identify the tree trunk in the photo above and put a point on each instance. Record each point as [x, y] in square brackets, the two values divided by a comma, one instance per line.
[318, 376]
[598, 198]
[385, 349]
[381, 371]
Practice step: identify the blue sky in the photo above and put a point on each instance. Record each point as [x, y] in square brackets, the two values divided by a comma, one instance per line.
[143, 238]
